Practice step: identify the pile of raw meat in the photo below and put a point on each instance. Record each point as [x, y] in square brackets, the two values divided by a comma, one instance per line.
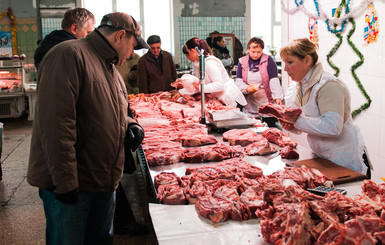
[288, 213]
[173, 134]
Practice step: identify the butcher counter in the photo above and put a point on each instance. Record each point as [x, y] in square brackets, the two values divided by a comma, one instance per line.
[181, 224]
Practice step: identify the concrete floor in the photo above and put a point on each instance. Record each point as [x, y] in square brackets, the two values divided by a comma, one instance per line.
[22, 218]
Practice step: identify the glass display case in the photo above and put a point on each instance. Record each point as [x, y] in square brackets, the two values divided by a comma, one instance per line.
[12, 95]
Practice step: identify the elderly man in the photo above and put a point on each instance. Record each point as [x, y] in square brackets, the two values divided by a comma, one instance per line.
[156, 69]
[77, 23]
[77, 147]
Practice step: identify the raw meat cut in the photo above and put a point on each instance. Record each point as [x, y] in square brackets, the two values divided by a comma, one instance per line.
[165, 178]
[288, 152]
[215, 209]
[285, 113]
[260, 148]
[276, 136]
[171, 194]
[214, 153]
[198, 140]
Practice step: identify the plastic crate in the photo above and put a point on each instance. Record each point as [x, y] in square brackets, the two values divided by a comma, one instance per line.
[12, 106]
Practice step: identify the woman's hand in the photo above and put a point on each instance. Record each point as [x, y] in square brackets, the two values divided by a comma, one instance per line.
[286, 125]
[253, 88]
[278, 101]
[196, 86]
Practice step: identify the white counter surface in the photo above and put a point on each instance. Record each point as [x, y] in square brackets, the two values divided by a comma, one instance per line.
[181, 224]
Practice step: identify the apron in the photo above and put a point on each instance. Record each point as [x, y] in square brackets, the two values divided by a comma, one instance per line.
[258, 98]
[347, 148]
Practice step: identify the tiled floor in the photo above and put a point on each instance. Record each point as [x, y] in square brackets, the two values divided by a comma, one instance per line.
[22, 218]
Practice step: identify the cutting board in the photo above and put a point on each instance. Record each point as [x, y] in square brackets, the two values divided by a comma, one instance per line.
[336, 173]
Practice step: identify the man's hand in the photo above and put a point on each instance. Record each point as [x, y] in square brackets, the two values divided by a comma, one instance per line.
[134, 135]
[70, 197]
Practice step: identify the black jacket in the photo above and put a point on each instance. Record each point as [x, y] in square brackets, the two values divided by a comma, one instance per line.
[55, 37]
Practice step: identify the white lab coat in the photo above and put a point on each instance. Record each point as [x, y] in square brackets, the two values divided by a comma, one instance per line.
[219, 84]
[328, 136]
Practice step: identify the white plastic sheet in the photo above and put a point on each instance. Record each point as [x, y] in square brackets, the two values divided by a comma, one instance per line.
[181, 224]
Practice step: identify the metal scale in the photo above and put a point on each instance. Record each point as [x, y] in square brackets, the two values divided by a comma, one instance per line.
[220, 119]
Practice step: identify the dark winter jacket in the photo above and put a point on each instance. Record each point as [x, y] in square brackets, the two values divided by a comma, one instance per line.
[150, 77]
[81, 119]
[55, 37]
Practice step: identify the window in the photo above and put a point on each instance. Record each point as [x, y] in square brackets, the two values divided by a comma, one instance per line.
[154, 16]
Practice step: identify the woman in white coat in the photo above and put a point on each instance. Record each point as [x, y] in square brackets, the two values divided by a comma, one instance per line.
[217, 81]
[325, 103]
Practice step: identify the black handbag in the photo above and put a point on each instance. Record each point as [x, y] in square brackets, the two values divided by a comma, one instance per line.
[129, 162]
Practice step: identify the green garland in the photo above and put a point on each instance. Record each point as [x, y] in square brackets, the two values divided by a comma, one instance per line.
[355, 66]
[332, 52]
[353, 69]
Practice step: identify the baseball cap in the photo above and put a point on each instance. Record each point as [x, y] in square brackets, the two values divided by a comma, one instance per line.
[123, 21]
[153, 39]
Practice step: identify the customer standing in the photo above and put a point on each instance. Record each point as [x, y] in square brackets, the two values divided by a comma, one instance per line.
[221, 52]
[325, 103]
[77, 23]
[156, 68]
[257, 78]
[77, 154]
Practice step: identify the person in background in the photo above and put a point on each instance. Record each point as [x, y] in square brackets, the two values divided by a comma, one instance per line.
[325, 103]
[217, 81]
[129, 72]
[77, 23]
[156, 68]
[257, 78]
[81, 123]
[221, 52]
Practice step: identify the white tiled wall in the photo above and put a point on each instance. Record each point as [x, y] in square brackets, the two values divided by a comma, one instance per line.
[201, 27]
[371, 73]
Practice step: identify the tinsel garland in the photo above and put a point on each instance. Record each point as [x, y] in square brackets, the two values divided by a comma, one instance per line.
[11, 18]
[337, 33]
[332, 52]
[353, 69]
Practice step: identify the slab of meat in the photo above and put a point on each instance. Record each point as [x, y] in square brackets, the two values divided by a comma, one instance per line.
[212, 208]
[288, 152]
[239, 211]
[214, 153]
[260, 148]
[252, 200]
[241, 137]
[171, 194]
[197, 189]
[165, 178]
[276, 136]
[285, 113]
[166, 157]
[198, 140]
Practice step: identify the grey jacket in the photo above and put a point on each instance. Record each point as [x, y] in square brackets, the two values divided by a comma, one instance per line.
[81, 119]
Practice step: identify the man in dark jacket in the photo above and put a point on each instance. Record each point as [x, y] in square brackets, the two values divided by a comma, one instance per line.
[76, 23]
[81, 123]
[156, 69]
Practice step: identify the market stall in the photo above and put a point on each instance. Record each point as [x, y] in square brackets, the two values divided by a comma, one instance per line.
[15, 88]
[167, 151]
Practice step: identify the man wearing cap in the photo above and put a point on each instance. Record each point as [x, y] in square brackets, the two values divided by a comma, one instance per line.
[77, 146]
[156, 68]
